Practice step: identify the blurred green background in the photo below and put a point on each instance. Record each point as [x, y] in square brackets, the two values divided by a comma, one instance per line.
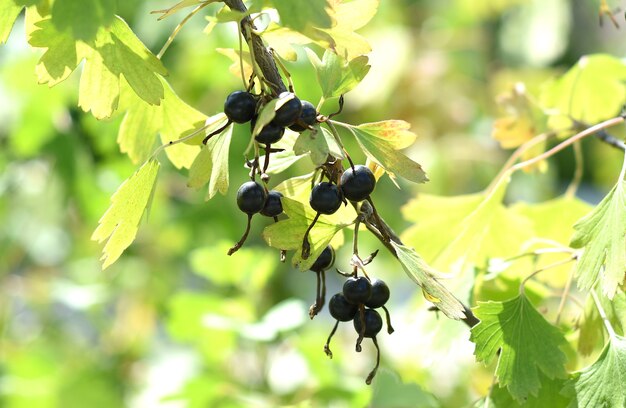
[177, 323]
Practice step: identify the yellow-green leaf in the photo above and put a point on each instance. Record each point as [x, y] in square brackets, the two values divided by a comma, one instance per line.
[211, 165]
[335, 75]
[602, 234]
[289, 233]
[591, 91]
[426, 277]
[8, 14]
[119, 224]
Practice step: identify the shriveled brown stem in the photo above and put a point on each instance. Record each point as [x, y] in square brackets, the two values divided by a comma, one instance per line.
[261, 54]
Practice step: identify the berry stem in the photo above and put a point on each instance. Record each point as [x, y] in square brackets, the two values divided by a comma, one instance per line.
[239, 244]
[371, 375]
[379, 222]
[388, 318]
[330, 336]
[217, 132]
[266, 163]
[359, 340]
[333, 131]
[306, 247]
[319, 298]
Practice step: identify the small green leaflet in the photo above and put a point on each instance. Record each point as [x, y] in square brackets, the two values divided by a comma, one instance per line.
[119, 224]
[287, 234]
[173, 119]
[528, 344]
[115, 51]
[283, 160]
[319, 144]
[211, 165]
[591, 91]
[601, 385]
[8, 13]
[335, 75]
[380, 141]
[422, 274]
[602, 233]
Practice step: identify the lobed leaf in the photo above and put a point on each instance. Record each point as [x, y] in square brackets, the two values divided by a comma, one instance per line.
[335, 75]
[211, 165]
[602, 233]
[591, 91]
[601, 384]
[83, 19]
[114, 52]
[426, 277]
[526, 344]
[379, 140]
[119, 224]
[8, 14]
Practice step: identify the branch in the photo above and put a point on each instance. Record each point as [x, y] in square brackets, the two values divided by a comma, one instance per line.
[603, 136]
[263, 58]
[270, 72]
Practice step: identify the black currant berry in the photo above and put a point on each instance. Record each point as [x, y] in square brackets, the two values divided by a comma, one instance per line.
[325, 198]
[308, 116]
[273, 207]
[271, 133]
[240, 106]
[373, 323]
[287, 114]
[325, 260]
[251, 197]
[357, 290]
[357, 184]
[341, 309]
[380, 294]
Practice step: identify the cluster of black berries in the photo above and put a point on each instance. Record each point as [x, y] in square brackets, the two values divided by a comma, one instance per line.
[356, 184]
[357, 302]
[242, 107]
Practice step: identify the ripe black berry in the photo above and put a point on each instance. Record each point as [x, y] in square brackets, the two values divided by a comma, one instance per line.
[325, 260]
[308, 116]
[273, 207]
[357, 184]
[373, 323]
[325, 198]
[271, 133]
[341, 309]
[251, 197]
[380, 294]
[240, 106]
[357, 290]
[287, 114]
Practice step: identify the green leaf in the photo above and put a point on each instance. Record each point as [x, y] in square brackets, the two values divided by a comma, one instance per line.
[337, 76]
[391, 392]
[211, 165]
[269, 111]
[314, 143]
[172, 119]
[601, 385]
[528, 344]
[591, 91]
[301, 15]
[288, 234]
[119, 224]
[351, 16]
[380, 141]
[602, 233]
[465, 230]
[114, 52]
[549, 395]
[591, 327]
[281, 161]
[426, 277]
[8, 14]
[83, 18]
